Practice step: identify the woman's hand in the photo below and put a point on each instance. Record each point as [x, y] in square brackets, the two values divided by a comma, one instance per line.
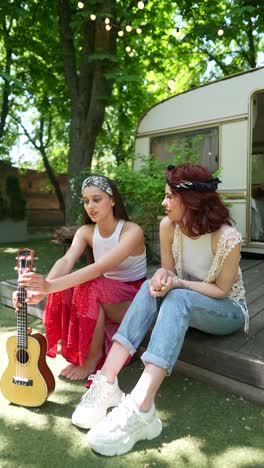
[159, 279]
[32, 298]
[35, 283]
[161, 283]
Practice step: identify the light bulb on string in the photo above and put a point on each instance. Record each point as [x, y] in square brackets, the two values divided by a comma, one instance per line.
[93, 17]
[220, 32]
[140, 5]
[128, 48]
[108, 27]
[107, 20]
[80, 4]
[128, 28]
[139, 30]
[120, 33]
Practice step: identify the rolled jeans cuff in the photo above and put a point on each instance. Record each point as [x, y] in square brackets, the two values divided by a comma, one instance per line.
[124, 342]
[157, 361]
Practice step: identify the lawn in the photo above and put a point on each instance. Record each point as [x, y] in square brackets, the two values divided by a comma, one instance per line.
[203, 427]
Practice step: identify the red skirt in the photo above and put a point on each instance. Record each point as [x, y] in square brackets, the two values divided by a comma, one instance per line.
[70, 316]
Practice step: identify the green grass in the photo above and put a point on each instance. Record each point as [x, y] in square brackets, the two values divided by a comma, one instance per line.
[203, 427]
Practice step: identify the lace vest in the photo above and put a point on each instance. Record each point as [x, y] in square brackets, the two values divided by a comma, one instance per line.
[228, 240]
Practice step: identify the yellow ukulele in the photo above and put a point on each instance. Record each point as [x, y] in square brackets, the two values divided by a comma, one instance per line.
[28, 380]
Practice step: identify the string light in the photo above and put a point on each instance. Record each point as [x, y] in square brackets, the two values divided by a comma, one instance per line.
[220, 32]
[109, 25]
[80, 4]
[140, 5]
[171, 84]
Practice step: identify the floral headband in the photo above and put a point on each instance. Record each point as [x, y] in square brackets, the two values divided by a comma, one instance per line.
[99, 181]
[196, 185]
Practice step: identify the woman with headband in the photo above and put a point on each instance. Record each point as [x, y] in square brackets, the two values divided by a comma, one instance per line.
[198, 285]
[85, 306]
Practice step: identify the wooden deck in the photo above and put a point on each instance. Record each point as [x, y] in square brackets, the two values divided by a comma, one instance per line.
[234, 363]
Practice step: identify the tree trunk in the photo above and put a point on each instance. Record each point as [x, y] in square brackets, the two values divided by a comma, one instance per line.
[89, 91]
[53, 179]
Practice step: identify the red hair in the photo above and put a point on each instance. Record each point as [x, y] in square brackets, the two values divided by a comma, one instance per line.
[204, 211]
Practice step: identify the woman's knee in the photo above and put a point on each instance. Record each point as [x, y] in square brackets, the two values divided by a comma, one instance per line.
[145, 285]
[178, 300]
[144, 289]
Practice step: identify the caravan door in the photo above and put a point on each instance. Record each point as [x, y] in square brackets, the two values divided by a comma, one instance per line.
[257, 168]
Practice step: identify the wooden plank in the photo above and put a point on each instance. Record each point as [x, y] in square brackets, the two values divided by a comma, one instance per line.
[230, 342]
[6, 290]
[255, 346]
[237, 341]
[256, 306]
[257, 322]
[254, 274]
[248, 263]
[242, 367]
[248, 392]
[254, 292]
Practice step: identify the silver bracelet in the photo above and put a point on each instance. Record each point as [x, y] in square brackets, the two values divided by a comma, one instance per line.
[179, 284]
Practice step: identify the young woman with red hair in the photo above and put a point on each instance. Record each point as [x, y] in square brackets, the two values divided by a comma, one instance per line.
[199, 284]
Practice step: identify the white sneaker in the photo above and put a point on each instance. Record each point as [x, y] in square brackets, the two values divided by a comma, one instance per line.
[122, 428]
[95, 402]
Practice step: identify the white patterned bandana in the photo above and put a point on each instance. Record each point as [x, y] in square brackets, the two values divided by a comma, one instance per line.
[99, 181]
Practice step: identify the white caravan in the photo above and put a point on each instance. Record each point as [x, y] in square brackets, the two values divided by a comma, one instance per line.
[227, 117]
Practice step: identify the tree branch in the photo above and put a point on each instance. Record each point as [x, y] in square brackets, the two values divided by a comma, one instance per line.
[65, 17]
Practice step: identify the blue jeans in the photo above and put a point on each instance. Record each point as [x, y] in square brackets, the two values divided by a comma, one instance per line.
[180, 309]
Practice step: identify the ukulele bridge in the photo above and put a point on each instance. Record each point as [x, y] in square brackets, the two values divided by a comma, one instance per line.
[22, 381]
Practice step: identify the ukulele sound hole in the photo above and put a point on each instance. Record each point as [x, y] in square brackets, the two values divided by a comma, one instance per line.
[22, 356]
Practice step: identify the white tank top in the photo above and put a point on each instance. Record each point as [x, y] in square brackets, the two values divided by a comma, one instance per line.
[131, 269]
[197, 256]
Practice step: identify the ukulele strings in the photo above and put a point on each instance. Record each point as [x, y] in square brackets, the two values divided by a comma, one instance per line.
[22, 325]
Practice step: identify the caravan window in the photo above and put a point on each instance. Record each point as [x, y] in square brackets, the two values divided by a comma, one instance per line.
[198, 146]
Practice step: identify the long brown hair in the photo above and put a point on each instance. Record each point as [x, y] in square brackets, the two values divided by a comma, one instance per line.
[204, 211]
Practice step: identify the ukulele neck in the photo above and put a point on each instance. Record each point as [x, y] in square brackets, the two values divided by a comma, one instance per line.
[22, 337]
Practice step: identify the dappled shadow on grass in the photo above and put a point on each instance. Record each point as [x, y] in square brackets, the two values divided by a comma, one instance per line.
[204, 422]
[203, 428]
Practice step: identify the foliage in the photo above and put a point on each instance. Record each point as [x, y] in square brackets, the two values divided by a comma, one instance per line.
[76, 94]
[12, 203]
[239, 45]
